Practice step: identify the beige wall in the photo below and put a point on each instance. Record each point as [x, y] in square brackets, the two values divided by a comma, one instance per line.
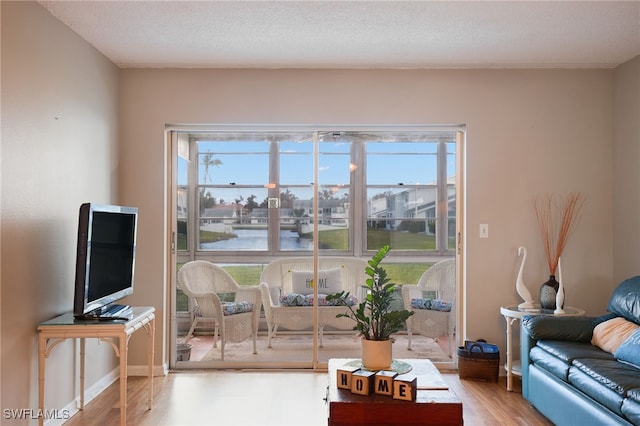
[529, 131]
[59, 146]
[66, 111]
[626, 173]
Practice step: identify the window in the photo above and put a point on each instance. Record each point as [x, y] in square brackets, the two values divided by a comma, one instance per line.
[406, 183]
[253, 192]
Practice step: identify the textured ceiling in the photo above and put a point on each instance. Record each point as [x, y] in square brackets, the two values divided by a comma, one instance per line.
[357, 34]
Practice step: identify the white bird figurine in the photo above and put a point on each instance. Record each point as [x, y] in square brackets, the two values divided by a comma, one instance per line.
[520, 287]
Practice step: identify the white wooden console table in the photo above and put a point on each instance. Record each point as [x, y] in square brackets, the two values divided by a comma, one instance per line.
[115, 333]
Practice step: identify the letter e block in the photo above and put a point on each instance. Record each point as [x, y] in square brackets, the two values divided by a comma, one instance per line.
[362, 382]
[384, 382]
[405, 388]
[343, 376]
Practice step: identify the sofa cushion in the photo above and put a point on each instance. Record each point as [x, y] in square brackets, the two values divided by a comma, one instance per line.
[625, 300]
[569, 351]
[614, 375]
[606, 381]
[629, 350]
[595, 389]
[556, 356]
[634, 395]
[610, 334]
[631, 406]
[550, 363]
[329, 281]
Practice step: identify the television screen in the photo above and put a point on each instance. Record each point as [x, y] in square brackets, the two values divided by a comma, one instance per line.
[105, 257]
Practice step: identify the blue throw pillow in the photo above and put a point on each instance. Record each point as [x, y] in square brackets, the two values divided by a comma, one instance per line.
[629, 350]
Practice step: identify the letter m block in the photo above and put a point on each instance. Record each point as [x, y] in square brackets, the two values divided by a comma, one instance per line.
[384, 382]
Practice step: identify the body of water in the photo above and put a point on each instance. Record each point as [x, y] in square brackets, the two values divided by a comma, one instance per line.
[257, 239]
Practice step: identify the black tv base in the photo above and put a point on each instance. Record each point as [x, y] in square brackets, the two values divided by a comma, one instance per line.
[112, 312]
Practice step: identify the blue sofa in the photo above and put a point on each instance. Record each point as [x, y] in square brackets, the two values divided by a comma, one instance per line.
[572, 382]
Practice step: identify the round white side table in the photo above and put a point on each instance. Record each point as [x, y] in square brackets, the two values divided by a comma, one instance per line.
[512, 314]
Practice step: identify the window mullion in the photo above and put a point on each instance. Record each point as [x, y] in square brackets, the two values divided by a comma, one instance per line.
[442, 206]
[274, 193]
[193, 199]
[358, 217]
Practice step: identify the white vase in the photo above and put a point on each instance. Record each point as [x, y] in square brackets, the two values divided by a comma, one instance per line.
[376, 354]
[560, 294]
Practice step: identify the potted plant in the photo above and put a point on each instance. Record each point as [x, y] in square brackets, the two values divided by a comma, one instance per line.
[374, 318]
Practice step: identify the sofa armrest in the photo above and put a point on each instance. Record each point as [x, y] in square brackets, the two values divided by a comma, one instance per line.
[533, 328]
[546, 327]
[574, 329]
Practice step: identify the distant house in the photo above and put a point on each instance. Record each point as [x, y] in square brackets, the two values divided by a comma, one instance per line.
[227, 214]
[331, 212]
[259, 216]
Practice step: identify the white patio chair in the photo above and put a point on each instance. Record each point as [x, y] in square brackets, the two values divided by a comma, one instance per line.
[436, 283]
[204, 282]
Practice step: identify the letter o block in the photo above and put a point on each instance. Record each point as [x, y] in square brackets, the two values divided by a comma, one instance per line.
[362, 382]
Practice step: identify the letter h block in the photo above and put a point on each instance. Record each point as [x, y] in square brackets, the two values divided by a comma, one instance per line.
[405, 388]
[344, 376]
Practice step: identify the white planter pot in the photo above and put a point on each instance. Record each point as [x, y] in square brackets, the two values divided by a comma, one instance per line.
[376, 355]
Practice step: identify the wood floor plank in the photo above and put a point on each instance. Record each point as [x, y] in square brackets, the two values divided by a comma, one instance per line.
[276, 398]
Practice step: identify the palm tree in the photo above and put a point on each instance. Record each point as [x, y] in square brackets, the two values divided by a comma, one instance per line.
[206, 200]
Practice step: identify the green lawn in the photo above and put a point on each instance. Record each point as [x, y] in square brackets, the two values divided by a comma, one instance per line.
[400, 273]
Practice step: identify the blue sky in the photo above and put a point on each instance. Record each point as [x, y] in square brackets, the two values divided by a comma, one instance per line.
[387, 164]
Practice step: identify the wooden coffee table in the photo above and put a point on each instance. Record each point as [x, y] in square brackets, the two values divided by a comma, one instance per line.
[435, 404]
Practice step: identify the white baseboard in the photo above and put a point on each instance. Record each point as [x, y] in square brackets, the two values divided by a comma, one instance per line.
[143, 370]
[59, 417]
[89, 394]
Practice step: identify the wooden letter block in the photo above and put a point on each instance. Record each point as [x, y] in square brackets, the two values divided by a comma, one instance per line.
[362, 382]
[405, 388]
[384, 382]
[344, 375]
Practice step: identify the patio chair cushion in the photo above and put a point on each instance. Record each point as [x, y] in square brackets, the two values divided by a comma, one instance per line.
[229, 308]
[431, 304]
[232, 308]
[330, 281]
[296, 299]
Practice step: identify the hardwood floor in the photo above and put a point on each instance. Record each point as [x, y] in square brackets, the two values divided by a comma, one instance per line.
[276, 398]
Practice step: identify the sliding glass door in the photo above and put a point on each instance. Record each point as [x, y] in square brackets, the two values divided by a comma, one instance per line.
[281, 209]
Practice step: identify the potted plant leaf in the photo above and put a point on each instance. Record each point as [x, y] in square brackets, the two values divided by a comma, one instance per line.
[375, 319]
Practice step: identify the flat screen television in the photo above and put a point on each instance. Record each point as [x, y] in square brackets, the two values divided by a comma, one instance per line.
[105, 260]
